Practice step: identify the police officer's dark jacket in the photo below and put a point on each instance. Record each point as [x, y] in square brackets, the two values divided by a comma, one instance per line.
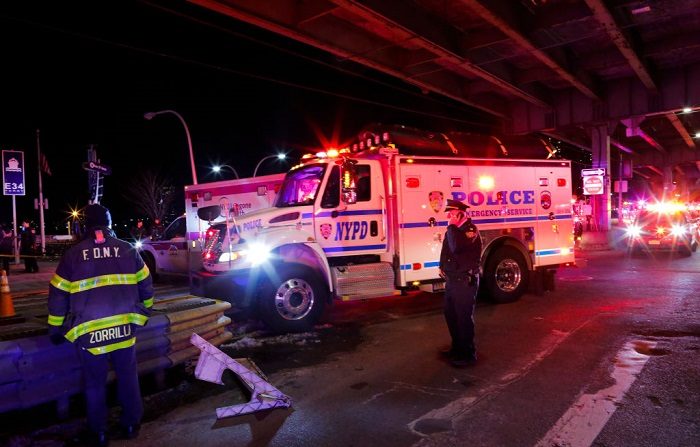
[101, 289]
[459, 254]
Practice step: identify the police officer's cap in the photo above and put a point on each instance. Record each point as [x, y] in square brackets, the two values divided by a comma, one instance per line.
[97, 216]
[456, 205]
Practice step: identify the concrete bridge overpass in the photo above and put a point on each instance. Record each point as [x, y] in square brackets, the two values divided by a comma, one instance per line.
[617, 77]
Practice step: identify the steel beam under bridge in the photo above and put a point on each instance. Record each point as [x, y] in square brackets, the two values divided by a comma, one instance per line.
[624, 98]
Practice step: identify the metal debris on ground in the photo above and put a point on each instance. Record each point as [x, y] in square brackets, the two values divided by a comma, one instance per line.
[210, 367]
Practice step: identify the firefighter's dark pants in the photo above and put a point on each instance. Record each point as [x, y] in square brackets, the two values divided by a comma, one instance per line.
[95, 369]
[460, 298]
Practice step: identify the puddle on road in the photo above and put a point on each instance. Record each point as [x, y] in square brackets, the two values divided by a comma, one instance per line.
[430, 426]
[655, 401]
[649, 348]
[273, 353]
[667, 333]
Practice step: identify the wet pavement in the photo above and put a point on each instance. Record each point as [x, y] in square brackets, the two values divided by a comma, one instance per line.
[608, 359]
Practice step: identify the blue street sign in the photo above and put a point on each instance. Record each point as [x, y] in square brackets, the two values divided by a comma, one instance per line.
[13, 173]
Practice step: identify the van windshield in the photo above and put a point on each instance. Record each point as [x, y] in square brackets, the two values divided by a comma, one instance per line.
[300, 187]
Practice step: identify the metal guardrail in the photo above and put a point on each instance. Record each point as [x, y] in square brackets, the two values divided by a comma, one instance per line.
[33, 371]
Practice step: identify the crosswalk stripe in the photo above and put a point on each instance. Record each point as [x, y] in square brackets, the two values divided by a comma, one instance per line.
[584, 420]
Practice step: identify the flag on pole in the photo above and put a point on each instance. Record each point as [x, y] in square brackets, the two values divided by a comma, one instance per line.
[44, 163]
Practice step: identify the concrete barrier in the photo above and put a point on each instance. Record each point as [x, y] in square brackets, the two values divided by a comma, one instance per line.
[33, 371]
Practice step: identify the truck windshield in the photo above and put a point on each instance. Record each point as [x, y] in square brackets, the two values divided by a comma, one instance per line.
[301, 186]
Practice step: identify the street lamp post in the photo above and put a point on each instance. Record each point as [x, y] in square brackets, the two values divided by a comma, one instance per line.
[217, 169]
[277, 156]
[150, 115]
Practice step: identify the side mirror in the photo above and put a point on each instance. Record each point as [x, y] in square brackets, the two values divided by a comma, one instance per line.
[209, 213]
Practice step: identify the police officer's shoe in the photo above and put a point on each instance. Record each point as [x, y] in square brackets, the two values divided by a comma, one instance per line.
[95, 439]
[463, 360]
[448, 353]
[130, 431]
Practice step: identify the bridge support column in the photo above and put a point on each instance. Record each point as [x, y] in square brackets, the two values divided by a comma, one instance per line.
[669, 187]
[600, 148]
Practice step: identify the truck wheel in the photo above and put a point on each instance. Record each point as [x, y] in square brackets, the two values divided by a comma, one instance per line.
[506, 275]
[151, 264]
[295, 301]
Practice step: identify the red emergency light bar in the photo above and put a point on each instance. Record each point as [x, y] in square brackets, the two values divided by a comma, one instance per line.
[418, 142]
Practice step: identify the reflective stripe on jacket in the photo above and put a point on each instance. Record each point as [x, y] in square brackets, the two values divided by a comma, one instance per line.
[100, 290]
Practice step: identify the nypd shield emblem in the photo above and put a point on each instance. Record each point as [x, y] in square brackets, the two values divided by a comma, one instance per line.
[437, 200]
[326, 230]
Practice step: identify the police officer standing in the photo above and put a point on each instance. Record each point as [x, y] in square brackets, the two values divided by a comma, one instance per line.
[27, 247]
[459, 265]
[100, 291]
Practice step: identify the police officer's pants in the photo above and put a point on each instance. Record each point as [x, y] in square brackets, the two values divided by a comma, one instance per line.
[95, 369]
[460, 298]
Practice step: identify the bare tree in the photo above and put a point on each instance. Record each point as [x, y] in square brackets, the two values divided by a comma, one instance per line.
[151, 193]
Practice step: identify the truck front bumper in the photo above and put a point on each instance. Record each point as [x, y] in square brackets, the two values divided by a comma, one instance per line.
[237, 287]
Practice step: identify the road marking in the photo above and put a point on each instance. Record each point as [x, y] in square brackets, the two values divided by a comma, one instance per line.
[462, 405]
[575, 278]
[585, 419]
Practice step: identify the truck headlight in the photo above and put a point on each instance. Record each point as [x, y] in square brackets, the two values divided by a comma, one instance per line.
[257, 253]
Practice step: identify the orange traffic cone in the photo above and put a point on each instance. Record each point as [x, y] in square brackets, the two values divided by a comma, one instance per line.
[7, 309]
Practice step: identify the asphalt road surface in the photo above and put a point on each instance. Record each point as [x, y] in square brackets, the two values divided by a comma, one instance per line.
[610, 358]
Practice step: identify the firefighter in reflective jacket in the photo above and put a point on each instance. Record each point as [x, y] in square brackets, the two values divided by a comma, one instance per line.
[100, 291]
[459, 265]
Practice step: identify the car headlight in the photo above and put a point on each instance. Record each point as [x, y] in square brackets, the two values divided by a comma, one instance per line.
[678, 230]
[633, 231]
[138, 244]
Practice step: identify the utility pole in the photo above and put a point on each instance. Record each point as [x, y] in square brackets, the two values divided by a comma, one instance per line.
[41, 196]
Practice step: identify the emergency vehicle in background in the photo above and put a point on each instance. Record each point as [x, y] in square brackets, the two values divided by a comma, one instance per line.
[178, 251]
[368, 221]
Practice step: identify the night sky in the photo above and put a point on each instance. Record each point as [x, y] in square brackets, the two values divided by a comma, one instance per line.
[86, 74]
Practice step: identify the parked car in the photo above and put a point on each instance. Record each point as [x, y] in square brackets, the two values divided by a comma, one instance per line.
[663, 229]
[168, 254]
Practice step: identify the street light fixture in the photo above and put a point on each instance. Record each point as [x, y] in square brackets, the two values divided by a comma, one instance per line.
[277, 156]
[217, 169]
[150, 115]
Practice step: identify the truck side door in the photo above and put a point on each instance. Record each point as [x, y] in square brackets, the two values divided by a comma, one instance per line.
[358, 228]
[554, 240]
[422, 220]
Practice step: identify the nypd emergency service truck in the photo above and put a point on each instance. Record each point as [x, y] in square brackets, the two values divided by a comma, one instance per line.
[368, 221]
[178, 250]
